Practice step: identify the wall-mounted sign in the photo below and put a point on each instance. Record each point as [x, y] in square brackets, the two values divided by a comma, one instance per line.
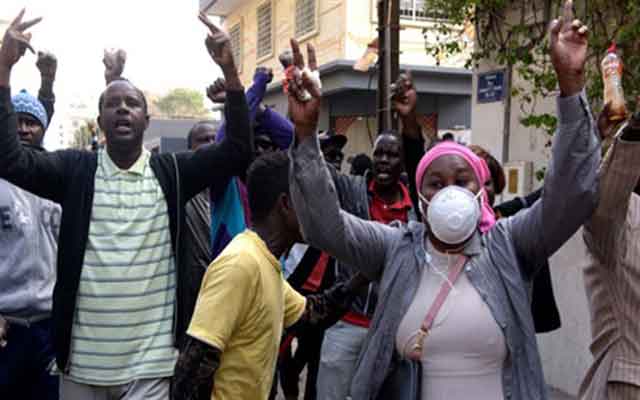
[491, 87]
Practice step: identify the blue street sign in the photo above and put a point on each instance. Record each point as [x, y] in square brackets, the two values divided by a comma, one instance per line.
[491, 87]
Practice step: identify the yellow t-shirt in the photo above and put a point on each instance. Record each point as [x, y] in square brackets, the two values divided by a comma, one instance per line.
[243, 304]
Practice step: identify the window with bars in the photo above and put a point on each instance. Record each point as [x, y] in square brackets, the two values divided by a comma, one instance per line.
[265, 43]
[235, 34]
[305, 17]
[416, 10]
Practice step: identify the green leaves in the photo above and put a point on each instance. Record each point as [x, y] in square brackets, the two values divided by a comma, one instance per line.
[181, 103]
[546, 122]
[510, 32]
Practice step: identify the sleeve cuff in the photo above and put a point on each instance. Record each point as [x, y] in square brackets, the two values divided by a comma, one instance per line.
[203, 336]
[573, 108]
[260, 78]
[235, 97]
[308, 149]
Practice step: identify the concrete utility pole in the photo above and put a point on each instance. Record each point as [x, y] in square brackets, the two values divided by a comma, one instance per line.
[389, 64]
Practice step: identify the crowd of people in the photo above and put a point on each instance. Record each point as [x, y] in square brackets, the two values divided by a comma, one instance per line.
[224, 271]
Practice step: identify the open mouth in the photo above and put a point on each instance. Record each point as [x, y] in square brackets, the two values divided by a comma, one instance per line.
[383, 172]
[123, 125]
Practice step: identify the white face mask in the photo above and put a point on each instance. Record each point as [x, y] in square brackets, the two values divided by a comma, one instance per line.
[453, 214]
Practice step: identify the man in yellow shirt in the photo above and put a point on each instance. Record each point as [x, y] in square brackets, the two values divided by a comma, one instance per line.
[244, 302]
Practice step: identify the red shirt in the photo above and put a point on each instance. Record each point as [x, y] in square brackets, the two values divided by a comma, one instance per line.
[387, 213]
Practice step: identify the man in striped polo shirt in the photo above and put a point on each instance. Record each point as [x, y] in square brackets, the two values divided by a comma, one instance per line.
[118, 313]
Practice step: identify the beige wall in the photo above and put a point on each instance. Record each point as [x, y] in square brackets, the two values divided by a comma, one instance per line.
[345, 27]
[328, 39]
[362, 17]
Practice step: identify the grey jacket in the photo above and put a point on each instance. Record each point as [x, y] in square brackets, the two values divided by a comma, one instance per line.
[28, 248]
[355, 198]
[501, 263]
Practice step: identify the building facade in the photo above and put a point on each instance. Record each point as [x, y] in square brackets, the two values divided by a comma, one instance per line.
[340, 30]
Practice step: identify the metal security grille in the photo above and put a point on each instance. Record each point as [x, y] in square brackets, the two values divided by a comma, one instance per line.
[265, 45]
[236, 44]
[305, 17]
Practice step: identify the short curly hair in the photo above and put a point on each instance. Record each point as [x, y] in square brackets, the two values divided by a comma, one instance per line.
[140, 92]
[267, 179]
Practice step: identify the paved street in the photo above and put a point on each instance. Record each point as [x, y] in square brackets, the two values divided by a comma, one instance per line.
[557, 395]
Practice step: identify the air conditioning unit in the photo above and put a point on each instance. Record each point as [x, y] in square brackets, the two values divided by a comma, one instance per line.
[519, 177]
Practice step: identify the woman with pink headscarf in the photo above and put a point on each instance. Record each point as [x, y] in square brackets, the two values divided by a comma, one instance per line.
[454, 291]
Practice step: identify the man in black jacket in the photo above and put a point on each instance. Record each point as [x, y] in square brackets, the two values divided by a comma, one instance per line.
[117, 309]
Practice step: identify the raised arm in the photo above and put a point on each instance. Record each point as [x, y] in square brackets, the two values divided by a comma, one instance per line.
[619, 177]
[324, 225]
[413, 142]
[270, 122]
[216, 164]
[48, 66]
[324, 309]
[217, 94]
[571, 185]
[36, 172]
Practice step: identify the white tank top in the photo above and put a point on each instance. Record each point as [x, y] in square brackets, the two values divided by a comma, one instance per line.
[463, 355]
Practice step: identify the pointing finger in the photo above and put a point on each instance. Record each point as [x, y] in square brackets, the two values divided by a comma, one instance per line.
[298, 59]
[28, 24]
[311, 57]
[205, 20]
[18, 19]
[567, 13]
[554, 29]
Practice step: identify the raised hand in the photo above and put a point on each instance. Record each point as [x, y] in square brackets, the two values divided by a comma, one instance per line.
[218, 44]
[47, 64]
[286, 59]
[405, 96]
[266, 71]
[217, 92]
[304, 113]
[15, 42]
[114, 61]
[568, 38]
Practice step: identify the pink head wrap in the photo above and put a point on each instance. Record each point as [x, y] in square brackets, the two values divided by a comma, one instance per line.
[480, 169]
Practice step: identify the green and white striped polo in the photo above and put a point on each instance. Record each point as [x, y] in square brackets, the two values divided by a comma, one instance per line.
[123, 325]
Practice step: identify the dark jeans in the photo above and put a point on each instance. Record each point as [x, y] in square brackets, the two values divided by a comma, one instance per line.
[290, 366]
[25, 363]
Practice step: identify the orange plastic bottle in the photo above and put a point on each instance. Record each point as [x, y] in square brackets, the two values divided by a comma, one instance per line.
[612, 76]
